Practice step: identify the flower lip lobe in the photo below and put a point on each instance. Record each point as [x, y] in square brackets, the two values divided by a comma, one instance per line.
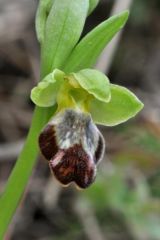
[74, 146]
[75, 165]
[47, 142]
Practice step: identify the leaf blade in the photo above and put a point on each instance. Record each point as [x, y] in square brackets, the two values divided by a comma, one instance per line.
[61, 32]
[92, 5]
[41, 17]
[89, 48]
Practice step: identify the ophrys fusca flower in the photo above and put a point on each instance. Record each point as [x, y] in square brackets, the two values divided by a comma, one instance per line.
[74, 146]
[71, 142]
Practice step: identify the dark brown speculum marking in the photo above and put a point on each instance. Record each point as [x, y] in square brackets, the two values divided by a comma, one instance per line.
[74, 146]
[47, 142]
[75, 165]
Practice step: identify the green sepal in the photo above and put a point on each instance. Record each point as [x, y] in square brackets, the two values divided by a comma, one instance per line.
[45, 93]
[122, 106]
[95, 83]
[89, 48]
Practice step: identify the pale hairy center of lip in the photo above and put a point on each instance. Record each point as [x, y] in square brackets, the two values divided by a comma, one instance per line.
[76, 128]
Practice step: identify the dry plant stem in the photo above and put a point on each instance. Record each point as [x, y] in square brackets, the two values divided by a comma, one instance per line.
[106, 58]
[88, 220]
[51, 194]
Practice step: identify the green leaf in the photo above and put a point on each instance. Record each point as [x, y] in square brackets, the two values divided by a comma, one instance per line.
[44, 95]
[92, 5]
[63, 29]
[95, 83]
[89, 48]
[41, 17]
[122, 106]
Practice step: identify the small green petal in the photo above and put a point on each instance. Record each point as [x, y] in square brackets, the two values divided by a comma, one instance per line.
[95, 83]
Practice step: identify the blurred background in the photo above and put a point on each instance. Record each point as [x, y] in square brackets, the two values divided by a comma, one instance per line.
[124, 202]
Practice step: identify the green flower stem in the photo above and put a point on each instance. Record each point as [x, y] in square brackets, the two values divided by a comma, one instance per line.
[22, 170]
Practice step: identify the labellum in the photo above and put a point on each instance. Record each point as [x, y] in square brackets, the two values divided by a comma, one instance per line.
[74, 146]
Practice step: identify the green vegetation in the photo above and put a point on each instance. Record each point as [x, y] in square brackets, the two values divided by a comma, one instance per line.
[59, 25]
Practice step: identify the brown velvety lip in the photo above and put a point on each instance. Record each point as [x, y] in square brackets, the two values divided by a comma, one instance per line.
[73, 165]
[47, 142]
[74, 146]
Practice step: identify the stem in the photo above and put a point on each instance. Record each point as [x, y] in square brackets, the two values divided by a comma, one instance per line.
[22, 170]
